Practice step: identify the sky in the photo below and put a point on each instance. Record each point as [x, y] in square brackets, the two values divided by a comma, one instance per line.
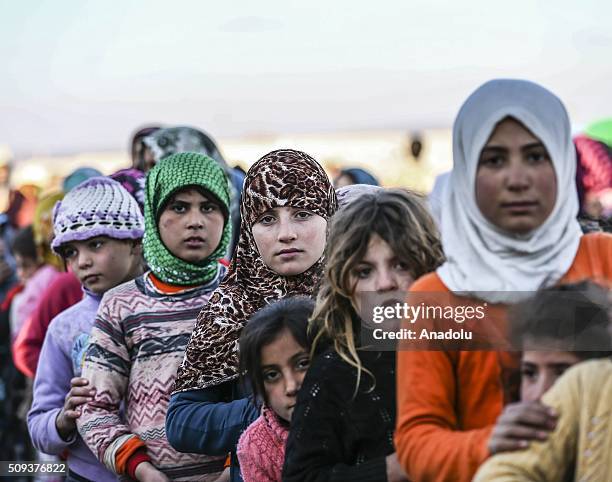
[79, 74]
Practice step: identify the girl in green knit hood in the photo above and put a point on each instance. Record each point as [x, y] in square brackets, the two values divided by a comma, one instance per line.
[142, 327]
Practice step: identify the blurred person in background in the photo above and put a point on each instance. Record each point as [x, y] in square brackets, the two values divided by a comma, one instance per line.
[77, 176]
[46, 267]
[133, 181]
[138, 151]
[354, 175]
[594, 175]
[14, 438]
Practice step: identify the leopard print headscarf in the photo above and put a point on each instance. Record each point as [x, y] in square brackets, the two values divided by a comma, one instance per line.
[280, 178]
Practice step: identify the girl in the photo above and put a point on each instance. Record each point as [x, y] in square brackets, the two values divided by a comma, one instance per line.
[36, 266]
[274, 355]
[508, 227]
[342, 426]
[580, 446]
[286, 202]
[142, 327]
[170, 140]
[98, 228]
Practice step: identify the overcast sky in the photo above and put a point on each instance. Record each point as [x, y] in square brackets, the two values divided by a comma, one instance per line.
[80, 74]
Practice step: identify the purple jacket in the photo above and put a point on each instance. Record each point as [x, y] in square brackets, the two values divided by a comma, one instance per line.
[60, 360]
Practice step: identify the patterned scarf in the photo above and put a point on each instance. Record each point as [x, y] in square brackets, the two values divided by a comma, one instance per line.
[281, 178]
[168, 176]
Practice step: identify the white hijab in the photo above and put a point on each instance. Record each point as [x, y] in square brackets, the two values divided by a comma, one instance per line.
[483, 261]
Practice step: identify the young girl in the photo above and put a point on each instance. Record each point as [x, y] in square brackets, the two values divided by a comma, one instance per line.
[508, 227]
[580, 446]
[556, 329]
[342, 426]
[98, 228]
[142, 327]
[274, 355]
[286, 202]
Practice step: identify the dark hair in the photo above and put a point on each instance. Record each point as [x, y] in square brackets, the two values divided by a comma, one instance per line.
[264, 327]
[23, 243]
[571, 317]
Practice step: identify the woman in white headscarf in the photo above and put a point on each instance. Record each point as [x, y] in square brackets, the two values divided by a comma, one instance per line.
[509, 227]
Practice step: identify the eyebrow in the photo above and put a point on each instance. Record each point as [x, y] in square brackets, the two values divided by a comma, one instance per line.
[297, 355]
[560, 364]
[532, 145]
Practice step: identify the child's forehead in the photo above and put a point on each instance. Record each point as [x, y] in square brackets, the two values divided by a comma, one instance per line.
[190, 194]
[83, 242]
[549, 356]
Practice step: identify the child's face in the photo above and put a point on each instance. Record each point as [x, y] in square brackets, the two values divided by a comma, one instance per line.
[101, 263]
[191, 226]
[516, 185]
[540, 370]
[379, 271]
[290, 240]
[26, 267]
[283, 366]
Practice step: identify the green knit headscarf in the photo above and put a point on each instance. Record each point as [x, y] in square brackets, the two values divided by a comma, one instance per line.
[171, 174]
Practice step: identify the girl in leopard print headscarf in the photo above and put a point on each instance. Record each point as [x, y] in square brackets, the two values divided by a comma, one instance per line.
[281, 179]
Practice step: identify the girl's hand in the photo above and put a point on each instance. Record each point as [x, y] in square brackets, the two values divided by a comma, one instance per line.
[80, 393]
[146, 472]
[519, 424]
[395, 473]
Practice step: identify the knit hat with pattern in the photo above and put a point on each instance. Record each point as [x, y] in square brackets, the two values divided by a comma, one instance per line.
[171, 174]
[98, 206]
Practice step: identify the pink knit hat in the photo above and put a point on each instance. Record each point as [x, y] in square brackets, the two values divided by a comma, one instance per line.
[98, 206]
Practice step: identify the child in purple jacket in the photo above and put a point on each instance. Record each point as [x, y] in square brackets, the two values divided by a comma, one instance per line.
[98, 228]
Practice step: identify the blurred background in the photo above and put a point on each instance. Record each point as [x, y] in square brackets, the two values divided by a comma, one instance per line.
[373, 85]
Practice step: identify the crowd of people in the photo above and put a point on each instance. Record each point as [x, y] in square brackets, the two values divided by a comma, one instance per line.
[185, 320]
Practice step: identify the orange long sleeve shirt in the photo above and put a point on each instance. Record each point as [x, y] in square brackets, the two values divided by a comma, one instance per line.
[448, 402]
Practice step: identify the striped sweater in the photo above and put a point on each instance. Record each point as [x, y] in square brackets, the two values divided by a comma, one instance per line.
[136, 345]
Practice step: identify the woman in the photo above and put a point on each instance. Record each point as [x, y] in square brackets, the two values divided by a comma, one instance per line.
[508, 228]
[343, 422]
[286, 202]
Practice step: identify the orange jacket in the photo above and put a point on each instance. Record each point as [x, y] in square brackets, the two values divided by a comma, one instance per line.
[448, 402]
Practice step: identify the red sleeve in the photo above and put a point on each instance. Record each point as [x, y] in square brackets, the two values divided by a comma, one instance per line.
[64, 292]
[134, 460]
[19, 356]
